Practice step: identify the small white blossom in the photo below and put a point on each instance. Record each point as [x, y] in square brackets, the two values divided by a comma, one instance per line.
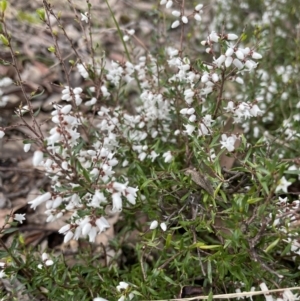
[176, 13]
[184, 19]
[40, 199]
[228, 142]
[198, 7]
[46, 260]
[19, 218]
[213, 37]
[197, 17]
[283, 185]
[169, 4]
[289, 296]
[84, 17]
[2, 134]
[117, 202]
[232, 37]
[153, 225]
[2, 274]
[256, 56]
[237, 63]
[37, 158]
[189, 129]
[175, 24]
[163, 226]
[122, 286]
[168, 157]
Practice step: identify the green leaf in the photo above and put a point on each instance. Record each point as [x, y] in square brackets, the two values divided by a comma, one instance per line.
[209, 273]
[168, 240]
[217, 189]
[210, 296]
[203, 246]
[292, 172]
[3, 6]
[272, 245]
[51, 49]
[4, 40]
[41, 13]
[168, 279]
[254, 200]
[36, 113]
[10, 230]
[33, 95]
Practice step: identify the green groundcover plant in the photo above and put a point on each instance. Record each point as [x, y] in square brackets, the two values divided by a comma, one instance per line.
[193, 143]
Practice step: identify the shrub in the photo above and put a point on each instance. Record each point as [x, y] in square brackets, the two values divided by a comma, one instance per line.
[187, 143]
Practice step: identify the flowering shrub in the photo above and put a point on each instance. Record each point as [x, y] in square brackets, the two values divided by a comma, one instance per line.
[196, 163]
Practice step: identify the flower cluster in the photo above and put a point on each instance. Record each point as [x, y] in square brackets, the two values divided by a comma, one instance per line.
[4, 82]
[182, 18]
[46, 261]
[196, 97]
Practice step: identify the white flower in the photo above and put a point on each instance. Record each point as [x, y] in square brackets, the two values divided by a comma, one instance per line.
[130, 194]
[86, 229]
[250, 64]
[169, 4]
[40, 199]
[117, 202]
[1, 134]
[219, 61]
[68, 236]
[237, 63]
[202, 130]
[66, 109]
[215, 77]
[175, 24]
[229, 51]
[37, 157]
[176, 13]
[153, 225]
[256, 111]
[283, 184]
[46, 260]
[197, 17]
[256, 56]
[239, 80]
[102, 224]
[289, 296]
[192, 118]
[27, 147]
[213, 37]
[163, 226]
[131, 32]
[122, 286]
[230, 107]
[198, 7]
[189, 129]
[64, 229]
[2, 274]
[99, 299]
[84, 17]
[92, 234]
[228, 142]
[239, 54]
[168, 157]
[19, 218]
[184, 19]
[228, 61]
[232, 36]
